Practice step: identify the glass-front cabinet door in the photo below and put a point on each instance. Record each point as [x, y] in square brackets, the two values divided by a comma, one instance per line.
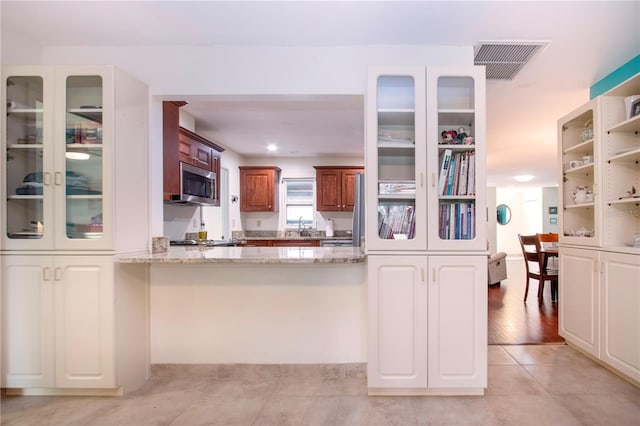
[456, 151]
[396, 167]
[82, 206]
[54, 162]
[27, 141]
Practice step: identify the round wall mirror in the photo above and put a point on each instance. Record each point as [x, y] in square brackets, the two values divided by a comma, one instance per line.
[504, 214]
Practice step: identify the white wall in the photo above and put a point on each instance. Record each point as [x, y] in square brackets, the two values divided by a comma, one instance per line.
[529, 212]
[549, 199]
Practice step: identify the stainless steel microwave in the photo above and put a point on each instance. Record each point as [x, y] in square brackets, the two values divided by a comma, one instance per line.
[197, 186]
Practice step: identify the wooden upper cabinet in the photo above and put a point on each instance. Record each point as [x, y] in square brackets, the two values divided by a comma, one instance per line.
[335, 187]
[259, 188]
[183, 145]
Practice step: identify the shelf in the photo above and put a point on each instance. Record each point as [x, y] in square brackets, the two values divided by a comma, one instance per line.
[25, 111]
[24, 197]
[84, 197]
[579, 206]
[25, 146]
[624, 201]
[629, 155]
[582, 168]
[93, 114]
[631, 125]
[586, 144]
[456, 197]
[84, 145]
[461, 147]
[395, 197]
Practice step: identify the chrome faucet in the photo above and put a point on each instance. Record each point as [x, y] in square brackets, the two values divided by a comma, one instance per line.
[300, 225]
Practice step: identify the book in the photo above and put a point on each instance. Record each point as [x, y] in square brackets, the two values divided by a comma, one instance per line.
[444, 170]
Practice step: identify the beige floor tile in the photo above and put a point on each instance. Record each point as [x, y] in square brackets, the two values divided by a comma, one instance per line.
[537, 410]
[538, 354]
[497, 355]
[221, 411]
[299, 410]
[445, 411]
[596, 410]
[511, 380]
[374, 411]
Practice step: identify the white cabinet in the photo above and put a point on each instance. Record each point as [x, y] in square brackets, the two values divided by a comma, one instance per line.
[599, 283]
[427, 324]
[58, 321]
[425, 158]
[620, 312]
[578, 314]
[457, 322]
[66, 129]
[397, 322]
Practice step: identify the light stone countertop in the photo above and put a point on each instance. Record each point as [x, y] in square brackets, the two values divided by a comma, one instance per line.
[254, 255]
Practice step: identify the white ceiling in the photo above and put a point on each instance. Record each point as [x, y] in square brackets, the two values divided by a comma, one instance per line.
[589, 39]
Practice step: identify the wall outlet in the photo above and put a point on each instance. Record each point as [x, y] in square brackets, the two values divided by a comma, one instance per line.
[195, 222]
[258, 223]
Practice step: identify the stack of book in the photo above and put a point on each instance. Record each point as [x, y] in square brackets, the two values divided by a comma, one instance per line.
[396, 221]
[457, 221]
[457, 173]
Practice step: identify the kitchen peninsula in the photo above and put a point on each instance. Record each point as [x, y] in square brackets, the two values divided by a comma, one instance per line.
[256, 305]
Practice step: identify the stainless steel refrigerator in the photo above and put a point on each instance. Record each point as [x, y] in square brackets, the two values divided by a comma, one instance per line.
[358, 211]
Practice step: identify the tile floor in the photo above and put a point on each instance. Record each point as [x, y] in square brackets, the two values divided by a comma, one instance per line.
[528, 385]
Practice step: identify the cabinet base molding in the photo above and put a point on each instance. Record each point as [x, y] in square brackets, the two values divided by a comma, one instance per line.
[426, 392]
[605, 365]
[119, 391]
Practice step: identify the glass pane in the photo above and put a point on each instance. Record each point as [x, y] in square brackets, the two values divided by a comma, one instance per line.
[83, 155]
[396, 157]
[456, 158]
[24, 156]
[294, 213]
[300, 192]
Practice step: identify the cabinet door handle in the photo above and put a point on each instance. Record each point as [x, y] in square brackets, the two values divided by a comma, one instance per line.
[422, 274]
[58, 274]
[46, 178]
[433, 275]
[58, 178]
[46, 274]
[421, 180]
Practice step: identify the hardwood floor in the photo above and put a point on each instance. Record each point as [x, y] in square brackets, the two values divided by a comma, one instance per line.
[514, 322]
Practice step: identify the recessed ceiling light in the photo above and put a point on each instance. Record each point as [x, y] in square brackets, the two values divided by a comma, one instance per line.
[271, 147]
[523, 178]
[72, 155]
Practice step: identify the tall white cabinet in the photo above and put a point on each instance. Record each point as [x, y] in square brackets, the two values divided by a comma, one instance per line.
[74, 194]
[426, 238]
[599, 150]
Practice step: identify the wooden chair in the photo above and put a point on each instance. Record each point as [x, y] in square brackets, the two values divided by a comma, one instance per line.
[534, 261]
[544, 247]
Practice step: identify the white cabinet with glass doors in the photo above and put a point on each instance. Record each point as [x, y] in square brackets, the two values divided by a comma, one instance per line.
[65, 130]
[425, 158]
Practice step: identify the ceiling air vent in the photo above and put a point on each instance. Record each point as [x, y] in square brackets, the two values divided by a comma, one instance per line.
[505, 59]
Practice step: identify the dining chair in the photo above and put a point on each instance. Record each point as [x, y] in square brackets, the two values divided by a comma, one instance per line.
[534, 261]
[546, 246]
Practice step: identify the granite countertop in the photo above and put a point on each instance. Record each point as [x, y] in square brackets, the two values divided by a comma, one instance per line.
[255, 255]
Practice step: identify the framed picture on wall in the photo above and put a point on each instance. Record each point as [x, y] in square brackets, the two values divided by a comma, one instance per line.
[553, 221]
[553, 210]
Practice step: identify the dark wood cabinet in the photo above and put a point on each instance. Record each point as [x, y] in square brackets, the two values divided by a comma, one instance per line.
[335, 187]
[259, 188]
[183, 145]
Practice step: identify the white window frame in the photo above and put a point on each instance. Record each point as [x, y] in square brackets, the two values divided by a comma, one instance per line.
[285, 203]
